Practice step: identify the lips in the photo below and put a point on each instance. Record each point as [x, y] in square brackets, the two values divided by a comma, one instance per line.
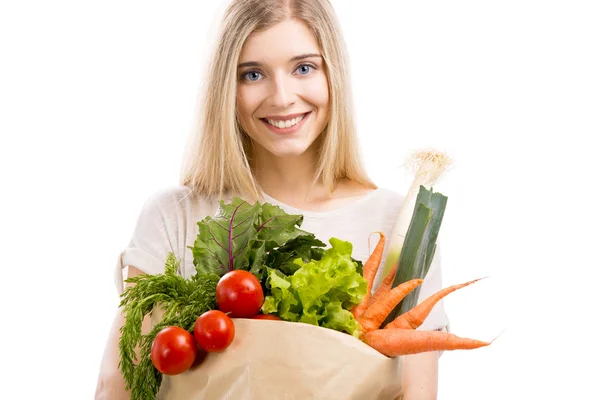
[285, 127]
[284, 117]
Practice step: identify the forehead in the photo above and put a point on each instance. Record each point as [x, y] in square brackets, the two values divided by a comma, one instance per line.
[280, 42]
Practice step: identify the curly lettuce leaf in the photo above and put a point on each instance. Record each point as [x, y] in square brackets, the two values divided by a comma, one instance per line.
[320, 292]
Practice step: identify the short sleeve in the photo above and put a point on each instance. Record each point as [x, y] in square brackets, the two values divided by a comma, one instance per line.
[437, 318]
[153, 238]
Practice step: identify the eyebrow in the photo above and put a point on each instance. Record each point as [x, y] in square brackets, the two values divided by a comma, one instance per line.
[295, 58]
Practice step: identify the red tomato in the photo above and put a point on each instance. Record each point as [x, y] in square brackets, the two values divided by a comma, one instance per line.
[239, 294]
[214, 331]
[173, 350]
[267, 316]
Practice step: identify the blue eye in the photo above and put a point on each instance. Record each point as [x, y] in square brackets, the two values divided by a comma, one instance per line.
[304, 69]
[251, 76]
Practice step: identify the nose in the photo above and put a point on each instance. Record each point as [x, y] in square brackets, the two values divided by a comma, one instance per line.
[282, 92]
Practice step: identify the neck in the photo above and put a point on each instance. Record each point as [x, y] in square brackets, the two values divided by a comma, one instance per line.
[289, 179]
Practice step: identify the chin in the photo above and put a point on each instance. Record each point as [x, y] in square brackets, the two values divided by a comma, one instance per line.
[289, 151]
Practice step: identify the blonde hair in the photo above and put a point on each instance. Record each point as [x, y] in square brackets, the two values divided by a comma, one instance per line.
[217, 159]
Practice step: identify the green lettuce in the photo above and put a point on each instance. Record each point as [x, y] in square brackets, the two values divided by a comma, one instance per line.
[319, 292]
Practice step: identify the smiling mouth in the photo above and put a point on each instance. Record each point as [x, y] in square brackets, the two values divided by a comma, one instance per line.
[290, 123]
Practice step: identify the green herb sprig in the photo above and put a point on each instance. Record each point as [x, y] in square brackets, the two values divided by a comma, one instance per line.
[182, 300]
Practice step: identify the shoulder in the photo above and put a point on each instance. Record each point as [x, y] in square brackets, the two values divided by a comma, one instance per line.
[178, 200]
[166, 198]
[390, 195]
[354, 190]
[169, 195]
[378, 193]
[387, 199]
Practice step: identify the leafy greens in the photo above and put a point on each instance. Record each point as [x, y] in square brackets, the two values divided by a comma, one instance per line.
[251, 237]
[319, 292]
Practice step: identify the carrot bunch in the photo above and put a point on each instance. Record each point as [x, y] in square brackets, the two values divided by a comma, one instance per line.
[400, 336]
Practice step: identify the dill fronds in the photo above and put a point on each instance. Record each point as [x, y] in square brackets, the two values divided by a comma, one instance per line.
[182, 301]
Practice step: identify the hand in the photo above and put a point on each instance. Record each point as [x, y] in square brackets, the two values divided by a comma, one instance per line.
[420, 376]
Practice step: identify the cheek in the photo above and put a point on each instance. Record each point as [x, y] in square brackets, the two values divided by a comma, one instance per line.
[319, 92]
[318, 96]
[246, 103]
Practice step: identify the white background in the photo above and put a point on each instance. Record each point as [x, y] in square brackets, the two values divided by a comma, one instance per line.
[97, 99]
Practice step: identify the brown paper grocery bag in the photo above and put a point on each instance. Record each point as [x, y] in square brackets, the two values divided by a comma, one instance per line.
[288, 361]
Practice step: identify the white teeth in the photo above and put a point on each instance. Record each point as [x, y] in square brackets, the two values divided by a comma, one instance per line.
[285, 124]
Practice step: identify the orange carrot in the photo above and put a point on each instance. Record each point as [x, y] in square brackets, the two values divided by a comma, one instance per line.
[372, 264]
[413, 318]
[398, 342]
[384, 288]
[369, 272]
[374, 316]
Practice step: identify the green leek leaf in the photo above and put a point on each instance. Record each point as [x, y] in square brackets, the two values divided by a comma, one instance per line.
[419, 246]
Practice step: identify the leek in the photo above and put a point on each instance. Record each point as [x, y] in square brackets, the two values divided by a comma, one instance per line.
[413, 240]
[419, 246]
[428, 166]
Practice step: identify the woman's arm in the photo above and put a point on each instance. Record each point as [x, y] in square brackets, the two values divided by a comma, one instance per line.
[420, 376]
[111, 385]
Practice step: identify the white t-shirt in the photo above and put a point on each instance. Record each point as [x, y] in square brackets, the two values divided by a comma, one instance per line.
[169, 222]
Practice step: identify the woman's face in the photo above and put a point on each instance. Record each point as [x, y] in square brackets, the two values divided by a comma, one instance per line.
[282, 94]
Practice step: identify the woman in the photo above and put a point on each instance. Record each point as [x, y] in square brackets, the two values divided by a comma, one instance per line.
[276, 126]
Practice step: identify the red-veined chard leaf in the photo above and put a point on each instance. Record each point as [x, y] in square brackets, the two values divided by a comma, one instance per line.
[223, 240]
[241, 235]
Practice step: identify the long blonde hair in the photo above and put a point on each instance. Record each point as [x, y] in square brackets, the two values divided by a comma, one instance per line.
[217, 157]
